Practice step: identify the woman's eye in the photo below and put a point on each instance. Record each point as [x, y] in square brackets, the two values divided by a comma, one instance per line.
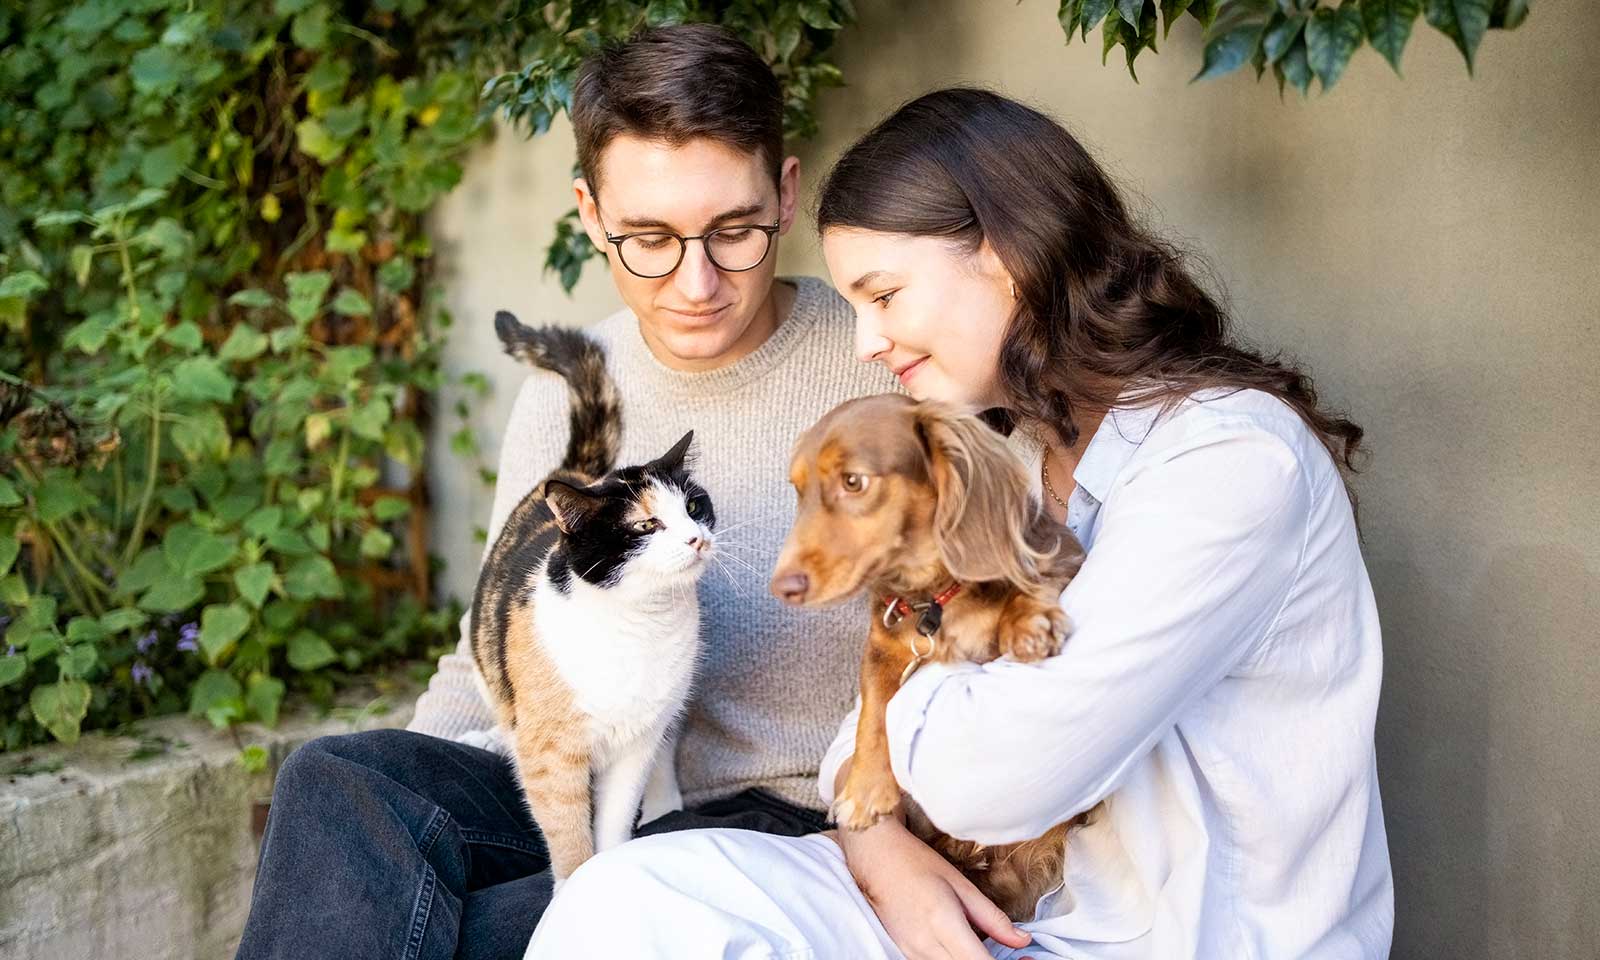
[647, 526]
[854, 482]
[885, 298]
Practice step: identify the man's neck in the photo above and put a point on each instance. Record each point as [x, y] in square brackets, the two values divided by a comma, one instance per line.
[774, 310]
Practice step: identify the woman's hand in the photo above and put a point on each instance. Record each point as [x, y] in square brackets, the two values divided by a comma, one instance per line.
[929, 909]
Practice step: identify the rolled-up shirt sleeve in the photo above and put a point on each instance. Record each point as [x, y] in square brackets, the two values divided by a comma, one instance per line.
[1196, 552]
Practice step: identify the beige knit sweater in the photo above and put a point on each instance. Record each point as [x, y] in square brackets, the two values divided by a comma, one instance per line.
[776, 682]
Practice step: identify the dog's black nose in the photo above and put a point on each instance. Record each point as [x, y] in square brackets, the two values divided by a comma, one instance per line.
[791, 587]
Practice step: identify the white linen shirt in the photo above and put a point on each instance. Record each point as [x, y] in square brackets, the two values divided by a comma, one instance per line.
[1218, 692]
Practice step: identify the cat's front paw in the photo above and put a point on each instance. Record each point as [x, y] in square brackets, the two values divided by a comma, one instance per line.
[489, 740]
[865, 800]
[1031, 631]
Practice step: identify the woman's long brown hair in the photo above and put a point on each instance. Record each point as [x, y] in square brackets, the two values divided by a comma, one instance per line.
[1106, 311]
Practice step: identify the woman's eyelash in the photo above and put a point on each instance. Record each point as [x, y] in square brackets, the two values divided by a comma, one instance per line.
[885, 297]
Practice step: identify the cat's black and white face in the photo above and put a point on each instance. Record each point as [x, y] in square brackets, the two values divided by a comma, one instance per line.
[648, 526]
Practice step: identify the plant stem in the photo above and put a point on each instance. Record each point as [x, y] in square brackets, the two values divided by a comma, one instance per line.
[93, 585]
[154, 464]
[338, 478]
[127, 274]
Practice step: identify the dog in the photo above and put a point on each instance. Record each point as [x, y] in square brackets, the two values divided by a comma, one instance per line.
[931, 514]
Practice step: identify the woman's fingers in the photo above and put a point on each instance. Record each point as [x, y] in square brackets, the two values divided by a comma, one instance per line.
[989, 919]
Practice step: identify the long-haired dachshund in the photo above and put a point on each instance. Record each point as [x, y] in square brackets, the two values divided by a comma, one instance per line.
[931, 514]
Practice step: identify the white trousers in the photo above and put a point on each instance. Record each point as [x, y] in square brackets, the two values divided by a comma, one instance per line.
[727, 894]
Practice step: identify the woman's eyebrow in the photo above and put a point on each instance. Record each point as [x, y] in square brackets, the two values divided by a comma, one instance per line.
[868, 279]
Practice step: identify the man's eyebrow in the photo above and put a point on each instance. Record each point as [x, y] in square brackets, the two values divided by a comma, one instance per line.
[868, 279]
[736, 213]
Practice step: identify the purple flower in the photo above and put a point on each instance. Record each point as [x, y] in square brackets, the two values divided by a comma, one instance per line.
[146, 642]
[142, 673]
[189, 637]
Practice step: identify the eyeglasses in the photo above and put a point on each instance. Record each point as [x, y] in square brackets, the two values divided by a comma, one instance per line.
[654, 254]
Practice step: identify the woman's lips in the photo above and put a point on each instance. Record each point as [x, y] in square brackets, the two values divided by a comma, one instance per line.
[905, 373]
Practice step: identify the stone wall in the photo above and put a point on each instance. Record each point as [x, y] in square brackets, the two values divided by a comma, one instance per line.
[144, 846]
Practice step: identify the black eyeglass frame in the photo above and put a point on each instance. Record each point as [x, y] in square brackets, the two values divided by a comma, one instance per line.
[617, 240]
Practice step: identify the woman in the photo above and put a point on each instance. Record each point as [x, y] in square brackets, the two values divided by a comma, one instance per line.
[1220, 686]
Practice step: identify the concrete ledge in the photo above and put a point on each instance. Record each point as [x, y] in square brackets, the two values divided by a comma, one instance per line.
[145, 845]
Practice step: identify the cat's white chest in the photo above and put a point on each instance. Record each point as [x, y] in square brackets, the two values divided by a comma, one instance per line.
[629, 669]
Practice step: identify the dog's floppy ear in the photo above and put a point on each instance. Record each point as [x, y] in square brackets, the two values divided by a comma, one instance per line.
[984, 508]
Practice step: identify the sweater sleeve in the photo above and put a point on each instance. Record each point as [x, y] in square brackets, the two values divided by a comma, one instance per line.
[535, 436]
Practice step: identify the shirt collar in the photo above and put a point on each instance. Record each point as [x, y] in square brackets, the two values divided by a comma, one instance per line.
[1114, 443]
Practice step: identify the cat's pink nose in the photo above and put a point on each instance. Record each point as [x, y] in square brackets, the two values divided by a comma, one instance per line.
[695, 542]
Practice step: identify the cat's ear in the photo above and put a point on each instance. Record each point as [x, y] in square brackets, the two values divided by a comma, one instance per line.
[673, 459]
[571, 505]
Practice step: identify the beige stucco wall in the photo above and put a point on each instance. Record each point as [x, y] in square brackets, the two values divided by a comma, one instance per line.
[1429, 246]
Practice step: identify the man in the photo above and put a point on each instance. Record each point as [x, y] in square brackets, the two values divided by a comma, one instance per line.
[410, 843]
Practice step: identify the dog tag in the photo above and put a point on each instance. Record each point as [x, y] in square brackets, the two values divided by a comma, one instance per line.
[928, 623]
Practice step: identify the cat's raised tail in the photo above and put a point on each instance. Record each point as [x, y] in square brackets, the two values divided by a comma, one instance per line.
[595, 416]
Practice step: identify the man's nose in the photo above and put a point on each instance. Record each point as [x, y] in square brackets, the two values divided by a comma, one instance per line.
[696, 277]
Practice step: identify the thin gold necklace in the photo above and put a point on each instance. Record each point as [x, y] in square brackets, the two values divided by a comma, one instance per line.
[1044, 467]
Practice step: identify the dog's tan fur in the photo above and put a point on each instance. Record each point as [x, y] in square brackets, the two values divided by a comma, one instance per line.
[944, 501]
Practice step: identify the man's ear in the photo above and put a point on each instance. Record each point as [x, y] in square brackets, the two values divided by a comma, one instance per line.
[788, 192]
[570, 504]
[589, 214]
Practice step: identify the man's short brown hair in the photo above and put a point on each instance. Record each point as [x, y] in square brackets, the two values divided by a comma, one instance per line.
[676, 84]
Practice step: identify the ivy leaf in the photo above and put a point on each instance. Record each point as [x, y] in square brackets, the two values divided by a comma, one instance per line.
[201, 379]
[351, 303]
[816, 14]
[217, 696]
[244, 343]
[1294, 68]
[220, 626]
[1171, 10]
[185, 336]
[307, 651]
[77, 661]
[194, 552]
[310, 29]
[173, 595]
[253, 582]
[60, 495]
[317, 141]
[1130, 10]
[60, 708]
[376, 543]
[1230, 49]
[306, 291]
[9, 548]
[146, 570]
[1463, 21]
[266, 694]
[1281, 35]
[252, 298]
[312, 577]
[389, 508]
[1388, 24]
[9, 497]
[155, 71]
[22, 284]
[123, 619]
[202, 436]
[1508, 14]
[12, 668]
[1332, 37]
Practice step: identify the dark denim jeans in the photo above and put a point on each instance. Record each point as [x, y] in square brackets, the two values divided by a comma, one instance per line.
[396, 844]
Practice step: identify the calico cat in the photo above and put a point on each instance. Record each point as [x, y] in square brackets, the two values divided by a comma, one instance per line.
[585, 624]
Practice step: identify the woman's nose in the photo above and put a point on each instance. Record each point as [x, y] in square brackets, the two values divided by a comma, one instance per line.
[870, 344]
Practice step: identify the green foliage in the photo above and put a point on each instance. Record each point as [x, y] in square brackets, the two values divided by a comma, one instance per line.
[1298, 39]
[217, 341]
[794, 36]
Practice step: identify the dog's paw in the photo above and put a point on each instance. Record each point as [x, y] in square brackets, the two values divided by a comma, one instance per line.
[1033, 632]
[861, 804]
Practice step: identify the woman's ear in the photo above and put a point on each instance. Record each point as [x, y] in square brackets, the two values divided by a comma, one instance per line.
[984, 505]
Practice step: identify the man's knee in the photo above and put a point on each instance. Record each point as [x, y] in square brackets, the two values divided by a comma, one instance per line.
[323, 764]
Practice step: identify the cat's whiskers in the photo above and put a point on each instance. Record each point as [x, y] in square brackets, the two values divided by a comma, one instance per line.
[744, 523]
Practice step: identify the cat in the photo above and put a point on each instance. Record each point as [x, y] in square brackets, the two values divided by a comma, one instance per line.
[585, 623]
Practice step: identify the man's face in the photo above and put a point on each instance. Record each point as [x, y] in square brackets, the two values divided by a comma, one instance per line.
[698, 316]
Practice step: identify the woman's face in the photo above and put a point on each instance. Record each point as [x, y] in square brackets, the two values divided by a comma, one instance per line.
[925, 309]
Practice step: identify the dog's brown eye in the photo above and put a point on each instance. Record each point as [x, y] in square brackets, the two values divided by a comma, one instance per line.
[854, 482]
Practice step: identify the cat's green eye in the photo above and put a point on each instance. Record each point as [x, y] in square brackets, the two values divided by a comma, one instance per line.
[693, 508]
[649, 525]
